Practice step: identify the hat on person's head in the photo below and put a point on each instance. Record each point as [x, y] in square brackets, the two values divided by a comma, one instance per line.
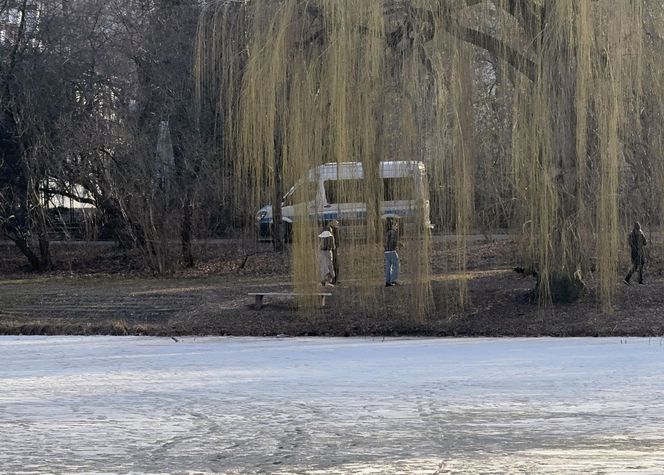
[325, 234]
[334, 223]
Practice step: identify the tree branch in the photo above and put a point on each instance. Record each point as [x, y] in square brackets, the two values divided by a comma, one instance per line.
[495, 46]
[478, 38]
[527, 12]
[68, 194]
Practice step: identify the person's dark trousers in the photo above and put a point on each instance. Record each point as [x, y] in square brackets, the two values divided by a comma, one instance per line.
[335, 264]
[637, 265]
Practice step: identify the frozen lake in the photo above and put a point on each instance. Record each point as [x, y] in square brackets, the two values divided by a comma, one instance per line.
[323, 406]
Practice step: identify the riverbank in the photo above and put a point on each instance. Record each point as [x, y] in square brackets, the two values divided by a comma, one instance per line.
[108, 295]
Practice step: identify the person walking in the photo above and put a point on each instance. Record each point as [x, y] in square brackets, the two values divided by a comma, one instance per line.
[391, 254]
[637, 242]
[325, 264]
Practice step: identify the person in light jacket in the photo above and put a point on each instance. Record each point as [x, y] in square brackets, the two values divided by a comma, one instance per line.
[325, 264]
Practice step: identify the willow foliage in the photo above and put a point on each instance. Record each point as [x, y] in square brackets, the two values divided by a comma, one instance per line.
[300, 83]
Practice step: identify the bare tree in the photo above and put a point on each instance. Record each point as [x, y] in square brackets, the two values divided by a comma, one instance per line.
[87, 89]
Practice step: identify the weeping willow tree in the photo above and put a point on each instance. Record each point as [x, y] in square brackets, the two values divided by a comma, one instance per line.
[301, 83]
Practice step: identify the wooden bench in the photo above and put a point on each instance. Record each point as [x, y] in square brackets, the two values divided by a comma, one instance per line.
[259, 296]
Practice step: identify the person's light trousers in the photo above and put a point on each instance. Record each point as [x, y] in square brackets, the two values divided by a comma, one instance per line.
[391, 266]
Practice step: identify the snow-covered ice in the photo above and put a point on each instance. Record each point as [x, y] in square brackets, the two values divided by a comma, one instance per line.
[323, 406]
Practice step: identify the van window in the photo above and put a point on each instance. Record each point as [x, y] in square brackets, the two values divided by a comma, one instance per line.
[344, 191]
[398, 189]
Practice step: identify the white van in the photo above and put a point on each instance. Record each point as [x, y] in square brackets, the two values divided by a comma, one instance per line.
[336, 191]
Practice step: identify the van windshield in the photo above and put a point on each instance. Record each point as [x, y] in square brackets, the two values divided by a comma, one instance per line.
[301, 192]
[344, 191]
[398, 189]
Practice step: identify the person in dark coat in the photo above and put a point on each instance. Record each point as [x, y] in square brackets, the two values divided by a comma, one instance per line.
[637, 243]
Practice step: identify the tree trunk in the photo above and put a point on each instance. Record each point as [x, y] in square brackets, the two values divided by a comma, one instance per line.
[277, 216]
[21, 242]
[187, 254]
[558, 85]
[23, 246]
[44, 253]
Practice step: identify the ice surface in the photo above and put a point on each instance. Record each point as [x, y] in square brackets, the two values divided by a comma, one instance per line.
[305, 405]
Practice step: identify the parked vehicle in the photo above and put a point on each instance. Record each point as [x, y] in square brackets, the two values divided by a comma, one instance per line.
[337, 191]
